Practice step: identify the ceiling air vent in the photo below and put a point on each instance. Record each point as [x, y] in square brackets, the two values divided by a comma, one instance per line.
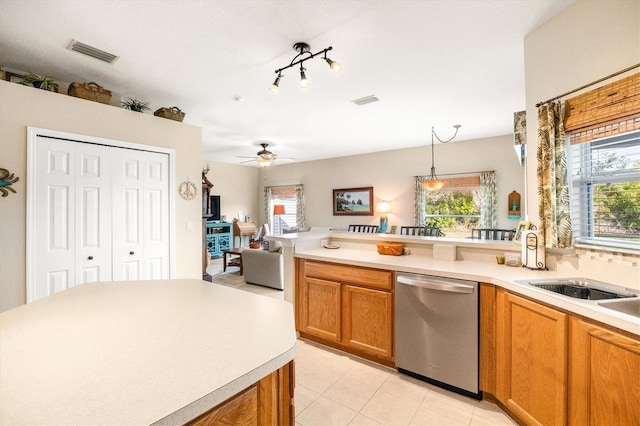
[366, 100]
[85, 49]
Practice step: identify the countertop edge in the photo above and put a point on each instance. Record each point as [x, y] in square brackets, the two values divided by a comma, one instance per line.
[225, 392]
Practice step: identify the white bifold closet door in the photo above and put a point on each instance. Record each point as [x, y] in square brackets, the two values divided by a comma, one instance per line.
[101, 214]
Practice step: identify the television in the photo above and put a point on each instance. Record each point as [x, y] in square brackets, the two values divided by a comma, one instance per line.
[214, 207]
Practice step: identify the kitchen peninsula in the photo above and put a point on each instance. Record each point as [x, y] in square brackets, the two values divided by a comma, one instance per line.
[582, 356]
[143, 352]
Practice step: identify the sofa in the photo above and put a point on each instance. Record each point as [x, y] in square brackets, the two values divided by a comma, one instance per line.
[263, 267]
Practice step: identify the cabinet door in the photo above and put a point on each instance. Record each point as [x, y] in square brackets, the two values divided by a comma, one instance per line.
[604, 369]
[321, 305]
[367, 318]
[531, 350]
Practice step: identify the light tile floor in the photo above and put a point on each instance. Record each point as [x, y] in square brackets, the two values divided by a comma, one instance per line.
[335, 388]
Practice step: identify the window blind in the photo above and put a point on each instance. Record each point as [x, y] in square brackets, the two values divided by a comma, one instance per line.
[609, 110]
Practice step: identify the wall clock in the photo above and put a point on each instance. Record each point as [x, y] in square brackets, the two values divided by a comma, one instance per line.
[187, 190]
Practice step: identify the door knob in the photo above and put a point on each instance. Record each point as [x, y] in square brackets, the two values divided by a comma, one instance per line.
[90, 258]
[131, 253]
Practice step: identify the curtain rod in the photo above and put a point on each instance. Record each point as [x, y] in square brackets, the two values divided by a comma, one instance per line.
[461, 173]
[590, 84]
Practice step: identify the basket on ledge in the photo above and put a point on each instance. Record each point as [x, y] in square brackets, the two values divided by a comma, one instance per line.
[90, 91]
[172, 113]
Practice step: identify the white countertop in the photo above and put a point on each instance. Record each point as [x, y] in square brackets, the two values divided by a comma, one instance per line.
[481, 271]
[138, 352]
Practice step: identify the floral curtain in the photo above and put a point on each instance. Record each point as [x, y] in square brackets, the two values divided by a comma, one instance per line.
[419, 204]
[268, 209]
[300, 219]
[488, 200]
[553, 184]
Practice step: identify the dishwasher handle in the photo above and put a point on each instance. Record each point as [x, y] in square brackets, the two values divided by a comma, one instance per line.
[435, 284]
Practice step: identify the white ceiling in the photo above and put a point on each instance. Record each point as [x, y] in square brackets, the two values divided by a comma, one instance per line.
[431, 63]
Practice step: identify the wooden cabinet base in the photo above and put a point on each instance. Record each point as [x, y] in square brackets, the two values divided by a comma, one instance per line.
[343, 348]
[267, 402]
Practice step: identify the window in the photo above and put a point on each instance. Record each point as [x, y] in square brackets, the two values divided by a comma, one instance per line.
[290, 197]
[605, 190]
[455, 209]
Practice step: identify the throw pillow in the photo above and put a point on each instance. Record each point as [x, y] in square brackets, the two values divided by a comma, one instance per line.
[275, 246]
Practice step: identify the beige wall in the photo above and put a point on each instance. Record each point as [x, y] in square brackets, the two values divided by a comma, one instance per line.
[22, 106]
[587, 41]
[238, 188]
[391, 174]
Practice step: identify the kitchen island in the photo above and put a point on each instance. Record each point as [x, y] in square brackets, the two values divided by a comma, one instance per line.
[138, 352]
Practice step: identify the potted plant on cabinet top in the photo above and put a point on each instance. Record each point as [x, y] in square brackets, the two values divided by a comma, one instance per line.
[135, 105]
[39, 82]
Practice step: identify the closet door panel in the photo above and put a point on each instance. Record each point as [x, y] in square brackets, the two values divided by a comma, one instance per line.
[93, 219]
[54, 264]
[156, 224]
[128, 187]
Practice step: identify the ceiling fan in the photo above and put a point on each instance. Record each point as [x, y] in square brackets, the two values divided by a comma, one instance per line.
[264, 157]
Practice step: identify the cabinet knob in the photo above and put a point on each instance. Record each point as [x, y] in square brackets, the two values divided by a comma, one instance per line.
[90, 258]
[132, 253]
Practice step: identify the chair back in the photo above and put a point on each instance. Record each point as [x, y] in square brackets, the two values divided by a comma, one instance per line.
[369, 229]
[493, 234]
[425, 231]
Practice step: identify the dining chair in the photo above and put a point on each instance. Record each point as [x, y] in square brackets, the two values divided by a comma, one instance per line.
[370, 229]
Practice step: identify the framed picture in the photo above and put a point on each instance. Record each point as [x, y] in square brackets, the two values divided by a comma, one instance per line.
[353, 201]
[522, 226]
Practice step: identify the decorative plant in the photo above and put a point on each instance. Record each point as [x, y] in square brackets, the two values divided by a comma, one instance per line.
[135, 105]
[39, 82]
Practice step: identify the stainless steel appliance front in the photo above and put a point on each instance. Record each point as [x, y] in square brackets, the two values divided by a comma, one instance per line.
[436, 331]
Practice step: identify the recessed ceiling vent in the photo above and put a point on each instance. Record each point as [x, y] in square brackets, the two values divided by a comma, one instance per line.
[366, 100]
[85, 49]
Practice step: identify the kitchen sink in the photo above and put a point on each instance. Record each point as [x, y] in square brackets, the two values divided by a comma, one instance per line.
[582, 288]
[629, 306]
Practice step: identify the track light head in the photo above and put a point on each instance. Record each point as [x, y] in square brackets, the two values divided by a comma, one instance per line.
[304, 81]
[276, 83]
[334, 65]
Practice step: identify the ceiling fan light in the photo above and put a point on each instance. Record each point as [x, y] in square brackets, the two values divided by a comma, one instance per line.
[264, 162]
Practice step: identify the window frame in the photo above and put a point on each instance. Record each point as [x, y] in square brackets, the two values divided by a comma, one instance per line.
[581, 189]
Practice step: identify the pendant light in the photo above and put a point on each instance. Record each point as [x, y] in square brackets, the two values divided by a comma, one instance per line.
[433, 183]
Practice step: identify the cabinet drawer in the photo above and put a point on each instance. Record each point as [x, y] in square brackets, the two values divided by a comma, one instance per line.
[368, 277]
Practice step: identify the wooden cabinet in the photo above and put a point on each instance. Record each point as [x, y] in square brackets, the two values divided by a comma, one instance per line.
[348, 307]
[268, 402]
[367, 320]
[604, 376]
[321, 302]
[488, 338]
[531, 355]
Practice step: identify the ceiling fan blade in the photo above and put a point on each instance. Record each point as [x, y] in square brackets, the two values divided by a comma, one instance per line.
[246, 156]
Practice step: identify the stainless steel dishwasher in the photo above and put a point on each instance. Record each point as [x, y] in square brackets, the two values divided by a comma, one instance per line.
[436, 331]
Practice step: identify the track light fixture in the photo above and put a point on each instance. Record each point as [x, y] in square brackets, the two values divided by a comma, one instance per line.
[433, 183]
[304, 53]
